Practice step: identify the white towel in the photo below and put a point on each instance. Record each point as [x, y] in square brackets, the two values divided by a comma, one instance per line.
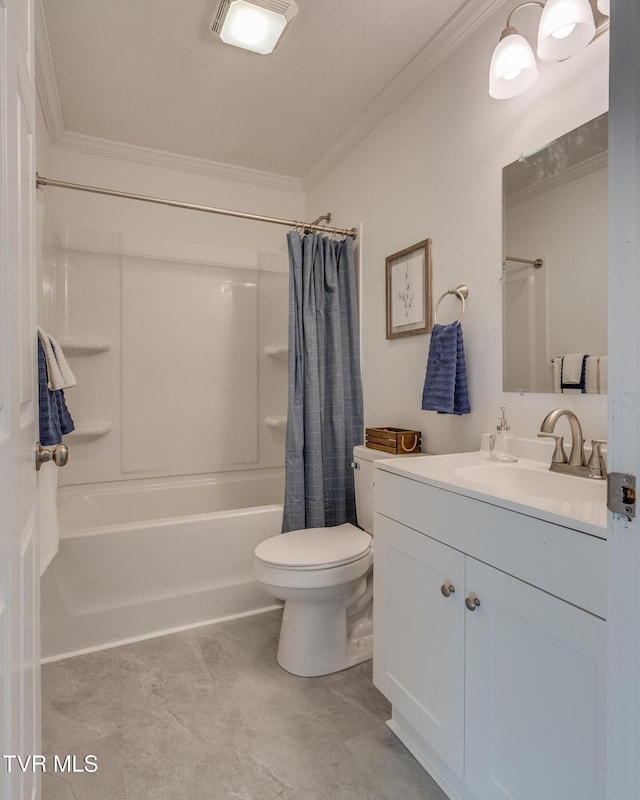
[591, 375]
[47, 510]
[50, 358]
[58, 371]
[557, 374]
[602, 373]
[572, 368]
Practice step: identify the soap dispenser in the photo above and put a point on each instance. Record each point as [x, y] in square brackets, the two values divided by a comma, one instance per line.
[502, 446]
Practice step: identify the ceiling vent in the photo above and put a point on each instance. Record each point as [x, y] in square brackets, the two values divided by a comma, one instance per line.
[256, 25]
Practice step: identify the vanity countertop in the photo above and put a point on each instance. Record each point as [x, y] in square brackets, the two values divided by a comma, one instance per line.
[525, 486]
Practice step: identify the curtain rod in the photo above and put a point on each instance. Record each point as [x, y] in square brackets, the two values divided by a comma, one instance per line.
[307, 226]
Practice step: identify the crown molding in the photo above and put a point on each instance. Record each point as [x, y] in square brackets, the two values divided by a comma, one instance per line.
[451, 35]
[46, 84]
[574, 173]
[93, 145]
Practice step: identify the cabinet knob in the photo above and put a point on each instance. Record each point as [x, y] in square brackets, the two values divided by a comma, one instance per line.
[472, 601]
[447, 588]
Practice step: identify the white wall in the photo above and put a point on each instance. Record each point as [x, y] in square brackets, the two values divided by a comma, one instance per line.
[433, 168]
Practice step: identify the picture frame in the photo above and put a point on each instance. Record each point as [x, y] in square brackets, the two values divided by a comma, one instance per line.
[408, 291]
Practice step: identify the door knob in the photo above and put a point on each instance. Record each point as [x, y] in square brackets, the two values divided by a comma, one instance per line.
[447, 588]
[59, 455]
[472, 601]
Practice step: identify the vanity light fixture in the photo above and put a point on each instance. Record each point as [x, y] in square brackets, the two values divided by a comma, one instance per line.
[566, 26]
[256, 25]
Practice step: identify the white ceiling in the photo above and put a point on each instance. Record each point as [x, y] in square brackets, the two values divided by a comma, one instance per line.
[150, 73]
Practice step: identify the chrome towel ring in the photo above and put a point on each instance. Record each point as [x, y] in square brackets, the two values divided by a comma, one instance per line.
[461, 292]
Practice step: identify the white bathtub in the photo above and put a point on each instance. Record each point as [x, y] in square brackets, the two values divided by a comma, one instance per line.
[143, 558]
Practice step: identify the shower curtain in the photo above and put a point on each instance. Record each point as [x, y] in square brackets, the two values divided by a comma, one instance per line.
[325, 419]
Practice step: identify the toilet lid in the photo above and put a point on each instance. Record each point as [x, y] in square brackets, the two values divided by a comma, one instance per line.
[315, 548]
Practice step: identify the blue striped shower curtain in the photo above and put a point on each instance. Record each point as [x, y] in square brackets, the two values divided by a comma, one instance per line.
[325, 419]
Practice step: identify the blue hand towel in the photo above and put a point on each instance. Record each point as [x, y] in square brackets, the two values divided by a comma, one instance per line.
[54, 417]
[445, 384]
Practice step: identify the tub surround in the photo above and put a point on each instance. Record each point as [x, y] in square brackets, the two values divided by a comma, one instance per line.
[136, 371]
[490, 637]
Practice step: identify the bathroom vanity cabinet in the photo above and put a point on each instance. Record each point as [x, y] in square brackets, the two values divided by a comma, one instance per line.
[490, 643]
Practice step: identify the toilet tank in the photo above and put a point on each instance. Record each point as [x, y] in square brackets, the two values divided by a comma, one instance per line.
[363, 473]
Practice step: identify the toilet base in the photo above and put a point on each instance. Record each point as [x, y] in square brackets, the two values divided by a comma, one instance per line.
[327, 620]
[314, 640]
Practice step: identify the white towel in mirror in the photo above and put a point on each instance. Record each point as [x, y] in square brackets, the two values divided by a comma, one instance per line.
[557, 374]
[592, 375]
[602, 373]
[572, 368]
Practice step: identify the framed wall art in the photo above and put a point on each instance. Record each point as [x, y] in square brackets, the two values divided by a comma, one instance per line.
[408, 291]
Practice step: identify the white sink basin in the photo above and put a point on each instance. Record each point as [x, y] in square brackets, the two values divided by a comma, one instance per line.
[533, 482]
[526, 485]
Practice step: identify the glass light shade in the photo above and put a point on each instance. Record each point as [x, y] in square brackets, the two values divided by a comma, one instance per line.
[513, 67]
[604, 7]
[566, 26]
[252, 27]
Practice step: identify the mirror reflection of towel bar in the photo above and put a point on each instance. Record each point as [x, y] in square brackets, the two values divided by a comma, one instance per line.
[535, 262]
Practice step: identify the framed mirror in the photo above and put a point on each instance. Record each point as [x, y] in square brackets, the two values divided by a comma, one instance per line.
[554, 273]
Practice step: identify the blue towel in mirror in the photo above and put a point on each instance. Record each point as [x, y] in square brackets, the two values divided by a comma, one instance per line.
[445, 384]
[54, 417]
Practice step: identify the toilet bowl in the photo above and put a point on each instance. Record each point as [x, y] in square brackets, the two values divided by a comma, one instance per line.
[322, 574]
[325, 577]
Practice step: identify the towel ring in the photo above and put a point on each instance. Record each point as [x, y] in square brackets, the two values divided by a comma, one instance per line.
[461, 292]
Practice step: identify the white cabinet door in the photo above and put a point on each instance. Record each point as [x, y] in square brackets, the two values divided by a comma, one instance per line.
[419, 634]
[534, 685]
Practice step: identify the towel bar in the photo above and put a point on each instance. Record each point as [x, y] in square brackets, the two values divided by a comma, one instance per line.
[461, 292]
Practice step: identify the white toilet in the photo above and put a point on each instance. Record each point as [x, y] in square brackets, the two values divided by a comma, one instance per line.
[325, 577]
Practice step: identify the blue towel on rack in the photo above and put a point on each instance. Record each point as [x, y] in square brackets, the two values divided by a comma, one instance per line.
[445, 384]
[54, 417]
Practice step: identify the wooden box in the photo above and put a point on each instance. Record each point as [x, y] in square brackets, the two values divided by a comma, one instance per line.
[394, 440]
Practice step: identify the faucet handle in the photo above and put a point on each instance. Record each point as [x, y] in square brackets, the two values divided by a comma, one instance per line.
[597, 460]
[559, 455]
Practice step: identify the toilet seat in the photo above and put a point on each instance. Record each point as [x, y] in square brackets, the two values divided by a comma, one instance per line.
[315, 548]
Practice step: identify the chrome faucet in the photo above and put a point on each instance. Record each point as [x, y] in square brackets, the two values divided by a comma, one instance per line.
[576, 464]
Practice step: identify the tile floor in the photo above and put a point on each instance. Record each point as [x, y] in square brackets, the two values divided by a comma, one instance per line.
[208, 714]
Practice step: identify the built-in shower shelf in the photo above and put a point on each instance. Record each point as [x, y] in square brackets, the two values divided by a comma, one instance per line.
[276, 422]
[276, 352]
[87, 347]
[86, 430]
